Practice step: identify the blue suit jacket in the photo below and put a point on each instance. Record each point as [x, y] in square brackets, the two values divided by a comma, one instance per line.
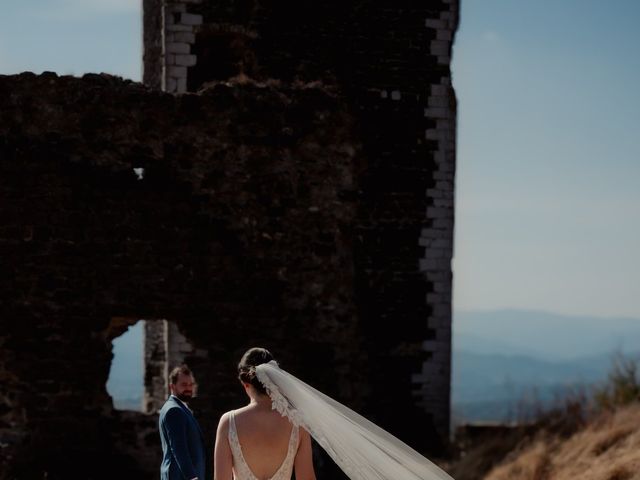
[183, 450]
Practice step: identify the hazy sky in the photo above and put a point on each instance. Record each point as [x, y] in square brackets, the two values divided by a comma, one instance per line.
[548, 180]
[71, 36]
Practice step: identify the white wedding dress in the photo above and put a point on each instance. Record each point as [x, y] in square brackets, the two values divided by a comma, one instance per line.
[241, 470]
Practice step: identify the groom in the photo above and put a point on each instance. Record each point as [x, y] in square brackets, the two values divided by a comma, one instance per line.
[183, 450]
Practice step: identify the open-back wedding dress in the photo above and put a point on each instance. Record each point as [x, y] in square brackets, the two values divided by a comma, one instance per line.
[242, 471]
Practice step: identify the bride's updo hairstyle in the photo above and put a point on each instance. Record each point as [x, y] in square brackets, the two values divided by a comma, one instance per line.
[247, 367]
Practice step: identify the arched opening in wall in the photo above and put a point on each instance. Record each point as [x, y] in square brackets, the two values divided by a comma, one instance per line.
[143, 352]
[126, 376]
[142, 358]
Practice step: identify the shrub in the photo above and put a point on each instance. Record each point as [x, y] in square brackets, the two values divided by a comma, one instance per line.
[622, 386]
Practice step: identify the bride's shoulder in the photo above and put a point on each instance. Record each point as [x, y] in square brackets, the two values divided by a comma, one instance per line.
[223, 424]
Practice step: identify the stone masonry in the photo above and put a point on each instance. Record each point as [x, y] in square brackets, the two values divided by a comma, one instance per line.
[239, 232]
[156, 367]
[391, 64]
[177, 40]
[291, 187]
[164, 348]
[434, 384]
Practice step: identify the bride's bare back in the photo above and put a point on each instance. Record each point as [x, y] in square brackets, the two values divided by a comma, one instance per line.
[257, 442]
[267, 441]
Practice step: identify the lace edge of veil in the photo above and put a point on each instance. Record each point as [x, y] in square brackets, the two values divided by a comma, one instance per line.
[278, 401]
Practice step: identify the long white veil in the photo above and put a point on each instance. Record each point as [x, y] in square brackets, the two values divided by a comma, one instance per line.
[361, 449]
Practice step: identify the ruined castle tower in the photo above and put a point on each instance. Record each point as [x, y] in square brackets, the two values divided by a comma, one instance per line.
[390, 61]
[287, 181]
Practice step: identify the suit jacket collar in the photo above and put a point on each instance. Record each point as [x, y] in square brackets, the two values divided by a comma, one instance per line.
[181, 403]
[184, 406]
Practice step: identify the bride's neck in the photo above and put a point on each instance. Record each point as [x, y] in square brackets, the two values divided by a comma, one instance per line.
[260, 400]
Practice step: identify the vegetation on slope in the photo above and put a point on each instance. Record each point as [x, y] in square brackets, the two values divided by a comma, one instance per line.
[593, 436]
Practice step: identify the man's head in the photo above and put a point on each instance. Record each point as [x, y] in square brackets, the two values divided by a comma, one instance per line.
[182, 384]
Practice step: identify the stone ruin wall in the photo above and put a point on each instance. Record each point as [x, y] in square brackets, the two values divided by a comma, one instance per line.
[320, 200]
[164, 346]
[156, 365]
[434, 380]
[239, 232]
[392, 63]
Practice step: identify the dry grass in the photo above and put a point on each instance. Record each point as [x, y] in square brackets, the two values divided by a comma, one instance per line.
[608, 448]
[483, 457]
[587, 435]
[533, 440]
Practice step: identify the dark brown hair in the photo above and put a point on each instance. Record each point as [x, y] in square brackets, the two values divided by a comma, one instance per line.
[175, 373]
[247, 367]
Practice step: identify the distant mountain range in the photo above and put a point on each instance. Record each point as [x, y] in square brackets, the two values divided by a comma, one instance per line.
[543, 335]
[504, 387]
[508, 361]
[503, 361]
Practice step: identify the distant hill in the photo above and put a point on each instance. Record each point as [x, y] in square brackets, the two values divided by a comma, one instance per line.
[543, 335]
[499, 387]
[510, 360]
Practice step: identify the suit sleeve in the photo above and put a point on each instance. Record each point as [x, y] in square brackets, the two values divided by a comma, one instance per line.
[175, 424]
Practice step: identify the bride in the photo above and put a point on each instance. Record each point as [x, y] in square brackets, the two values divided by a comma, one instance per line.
[271, 436]
[256, 442]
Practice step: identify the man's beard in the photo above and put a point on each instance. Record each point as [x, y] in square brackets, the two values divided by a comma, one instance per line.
[185, 397]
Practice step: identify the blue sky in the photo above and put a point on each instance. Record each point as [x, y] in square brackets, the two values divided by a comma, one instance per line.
[71, 36]
[548, 180]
